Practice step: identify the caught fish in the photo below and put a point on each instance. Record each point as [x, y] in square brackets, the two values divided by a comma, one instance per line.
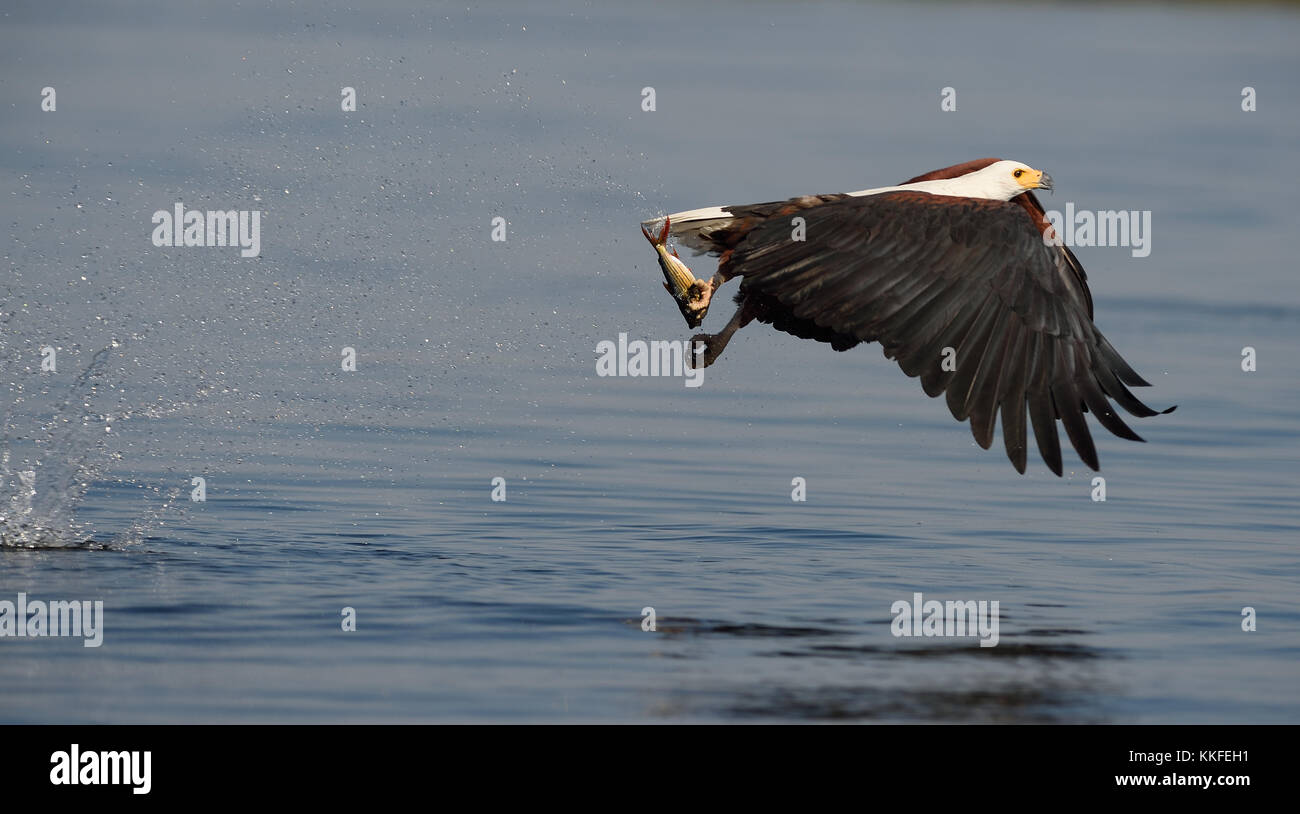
[692, 295]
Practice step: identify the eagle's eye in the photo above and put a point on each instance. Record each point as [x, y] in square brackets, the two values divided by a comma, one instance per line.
[1018, 173]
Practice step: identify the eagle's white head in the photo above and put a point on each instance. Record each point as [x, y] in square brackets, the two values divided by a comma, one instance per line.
[1001, 180]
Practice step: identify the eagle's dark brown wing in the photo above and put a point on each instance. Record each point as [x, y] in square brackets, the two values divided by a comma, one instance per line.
[919, 273]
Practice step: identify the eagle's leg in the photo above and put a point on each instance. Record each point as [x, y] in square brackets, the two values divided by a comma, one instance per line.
[714, 344]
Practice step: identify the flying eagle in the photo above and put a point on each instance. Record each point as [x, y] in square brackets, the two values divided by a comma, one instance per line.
[956, 273]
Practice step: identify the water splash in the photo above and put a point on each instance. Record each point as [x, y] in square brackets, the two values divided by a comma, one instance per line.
[41, 491]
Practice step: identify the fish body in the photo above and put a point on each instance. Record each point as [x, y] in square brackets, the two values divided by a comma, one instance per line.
[691, 295]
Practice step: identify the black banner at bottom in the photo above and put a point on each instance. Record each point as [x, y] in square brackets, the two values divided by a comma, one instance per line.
[124, 764]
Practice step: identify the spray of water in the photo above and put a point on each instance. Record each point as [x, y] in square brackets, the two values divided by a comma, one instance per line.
[41, 491]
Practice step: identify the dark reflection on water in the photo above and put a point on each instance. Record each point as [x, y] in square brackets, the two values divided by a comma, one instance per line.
[1047, 701]
[1052, 681]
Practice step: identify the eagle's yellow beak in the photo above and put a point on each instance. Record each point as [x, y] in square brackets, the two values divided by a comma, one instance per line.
[1034, 178]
